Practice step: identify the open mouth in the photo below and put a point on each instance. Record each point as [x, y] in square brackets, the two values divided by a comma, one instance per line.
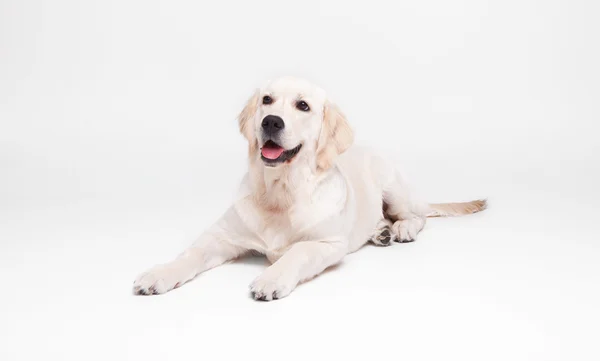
[273, 153]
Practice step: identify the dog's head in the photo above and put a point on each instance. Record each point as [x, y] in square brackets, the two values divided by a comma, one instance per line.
[290, 116]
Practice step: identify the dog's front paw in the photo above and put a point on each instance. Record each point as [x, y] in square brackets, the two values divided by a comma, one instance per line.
[156, 281]
[272, 285]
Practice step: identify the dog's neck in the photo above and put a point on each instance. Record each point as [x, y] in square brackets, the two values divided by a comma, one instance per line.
[277, 189]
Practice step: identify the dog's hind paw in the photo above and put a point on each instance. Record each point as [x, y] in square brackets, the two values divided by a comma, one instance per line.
[407, 230]
[383, 235]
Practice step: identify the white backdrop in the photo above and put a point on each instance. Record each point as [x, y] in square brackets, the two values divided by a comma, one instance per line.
[119, 144]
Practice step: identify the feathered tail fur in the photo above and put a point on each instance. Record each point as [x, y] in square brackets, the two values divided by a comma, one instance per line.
[457, 208]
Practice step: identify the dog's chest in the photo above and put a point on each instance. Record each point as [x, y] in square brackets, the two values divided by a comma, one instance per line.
[266, 230]
[283, 212]
[277, 232]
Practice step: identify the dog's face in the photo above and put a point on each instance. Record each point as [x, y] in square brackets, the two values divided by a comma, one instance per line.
[289, 116]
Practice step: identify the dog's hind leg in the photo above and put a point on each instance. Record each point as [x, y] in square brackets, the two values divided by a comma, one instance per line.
[406, 213]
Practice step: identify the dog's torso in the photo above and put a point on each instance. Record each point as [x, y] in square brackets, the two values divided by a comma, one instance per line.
[342, 205]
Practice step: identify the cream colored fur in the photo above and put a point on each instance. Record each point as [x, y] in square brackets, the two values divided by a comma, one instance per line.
[307, 214]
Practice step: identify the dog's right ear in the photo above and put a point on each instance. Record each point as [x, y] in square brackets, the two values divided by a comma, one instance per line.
[246, 121]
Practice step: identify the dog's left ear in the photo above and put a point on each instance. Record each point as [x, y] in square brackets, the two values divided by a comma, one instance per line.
[336, 136]
[246, 121]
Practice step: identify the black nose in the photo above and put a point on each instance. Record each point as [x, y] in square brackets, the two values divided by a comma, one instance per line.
[272, 124]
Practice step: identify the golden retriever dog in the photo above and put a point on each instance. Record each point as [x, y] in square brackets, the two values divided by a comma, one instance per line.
[309, 197]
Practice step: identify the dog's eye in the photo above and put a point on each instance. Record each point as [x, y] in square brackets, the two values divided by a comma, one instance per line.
[267, 99]
[302, 106]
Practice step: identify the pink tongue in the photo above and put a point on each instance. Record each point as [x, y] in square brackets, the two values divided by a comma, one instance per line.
[272, 153]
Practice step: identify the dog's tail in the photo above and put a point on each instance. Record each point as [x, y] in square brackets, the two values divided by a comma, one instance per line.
[457, 208]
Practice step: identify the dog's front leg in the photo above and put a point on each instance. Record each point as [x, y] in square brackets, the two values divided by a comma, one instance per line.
[213, 248]
[303, 261]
